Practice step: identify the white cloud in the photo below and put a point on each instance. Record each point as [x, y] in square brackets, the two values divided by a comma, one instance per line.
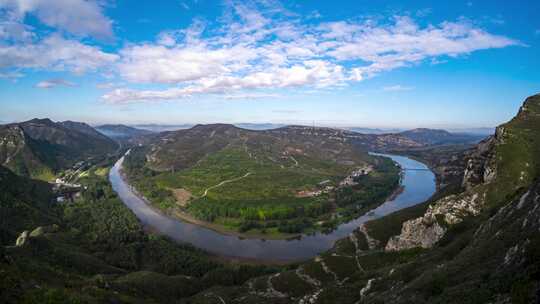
[79, 17]
[51, 83]
[252, 96]
[262, 49]
[397, 87]
[54, 53]
[257, 45]
[318, 73]
[15, 31]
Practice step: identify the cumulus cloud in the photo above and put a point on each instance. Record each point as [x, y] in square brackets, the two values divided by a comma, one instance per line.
[54, 53]
[51, 83]
[24, 47]
[78, 17]
[15, 31]
[263, 48]
[256, 45]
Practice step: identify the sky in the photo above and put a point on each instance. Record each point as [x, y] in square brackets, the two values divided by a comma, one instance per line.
[382, 64]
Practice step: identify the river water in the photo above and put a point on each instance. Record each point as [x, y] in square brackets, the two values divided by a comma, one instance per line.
[419, 185]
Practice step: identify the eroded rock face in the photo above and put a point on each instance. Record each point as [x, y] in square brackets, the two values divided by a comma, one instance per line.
[416, 233]
[480, 167]
[427, 230]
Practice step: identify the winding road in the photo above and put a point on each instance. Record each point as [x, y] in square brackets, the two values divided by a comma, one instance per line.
[225, 182]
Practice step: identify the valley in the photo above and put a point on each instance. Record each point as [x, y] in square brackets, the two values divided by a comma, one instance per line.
[468, 228]
[274, 184]
[269, 152]
[417, 187]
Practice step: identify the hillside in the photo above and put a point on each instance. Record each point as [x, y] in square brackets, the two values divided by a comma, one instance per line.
[475, 241]
[40, 147]
[23, 203]
[94, 250]
[280, 180]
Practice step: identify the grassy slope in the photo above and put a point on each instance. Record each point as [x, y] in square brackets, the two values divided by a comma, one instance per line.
[517, 160]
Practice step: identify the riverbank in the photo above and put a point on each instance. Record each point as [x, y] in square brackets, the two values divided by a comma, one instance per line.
[273, 235]
[418, 187]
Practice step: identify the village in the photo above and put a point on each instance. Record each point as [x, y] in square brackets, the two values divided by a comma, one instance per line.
[326, 186]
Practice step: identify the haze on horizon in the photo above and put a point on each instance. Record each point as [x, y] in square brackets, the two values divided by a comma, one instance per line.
[462, 65]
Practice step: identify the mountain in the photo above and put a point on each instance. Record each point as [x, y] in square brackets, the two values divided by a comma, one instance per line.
[440, 137]
[162, 128]
[475, 241]
[183, 148]
[373, 130]
[41, 147]
[276, 182]
[122, 131]
[259, 126]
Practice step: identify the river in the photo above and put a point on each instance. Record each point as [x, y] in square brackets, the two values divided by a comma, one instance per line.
[419, 185]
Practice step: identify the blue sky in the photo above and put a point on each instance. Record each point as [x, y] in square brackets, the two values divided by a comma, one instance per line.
[386, 64]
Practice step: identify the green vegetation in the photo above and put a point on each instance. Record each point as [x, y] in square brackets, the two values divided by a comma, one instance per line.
[517, 149]
[94, 250]
[41, 148]
[244, 193]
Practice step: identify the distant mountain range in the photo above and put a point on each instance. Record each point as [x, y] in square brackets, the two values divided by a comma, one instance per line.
[440, 137]
[121, 131]
[373, 130]
[41, 147]
[180, 148]
[269, 126]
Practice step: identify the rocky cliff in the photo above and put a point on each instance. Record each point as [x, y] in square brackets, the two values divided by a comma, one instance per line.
[515, 145]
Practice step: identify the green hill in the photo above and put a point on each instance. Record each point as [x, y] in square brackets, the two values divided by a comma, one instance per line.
[40, 147]
[276, 180]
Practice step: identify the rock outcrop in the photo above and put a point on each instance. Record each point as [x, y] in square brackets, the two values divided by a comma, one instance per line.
[512, 151]
[416, 233]
[480, 167]
[427, 230]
